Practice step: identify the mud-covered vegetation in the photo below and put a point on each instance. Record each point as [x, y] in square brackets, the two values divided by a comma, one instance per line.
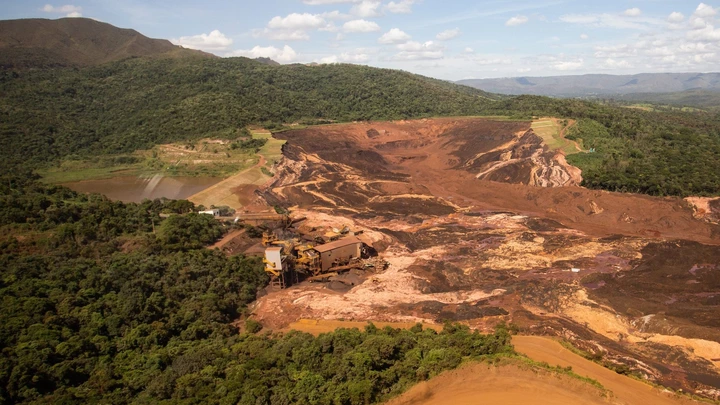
[109, 302]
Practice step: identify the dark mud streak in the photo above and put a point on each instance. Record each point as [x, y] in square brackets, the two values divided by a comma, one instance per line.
[664, 272]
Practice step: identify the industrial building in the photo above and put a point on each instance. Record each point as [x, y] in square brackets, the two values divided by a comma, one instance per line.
[339, 252]
[285, 258]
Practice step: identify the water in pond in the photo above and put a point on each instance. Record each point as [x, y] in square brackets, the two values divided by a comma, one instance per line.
[136, 189]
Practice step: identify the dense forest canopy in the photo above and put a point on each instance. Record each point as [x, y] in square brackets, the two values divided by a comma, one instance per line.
[98, 308]
[55, 114]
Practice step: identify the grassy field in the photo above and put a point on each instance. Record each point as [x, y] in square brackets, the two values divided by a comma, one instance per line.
[230, 192]
[211, 158]
[663, 107]
[68, 175]
[272, 151]
[552, 131]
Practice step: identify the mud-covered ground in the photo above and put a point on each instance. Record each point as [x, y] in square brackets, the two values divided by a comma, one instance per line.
[479, 223]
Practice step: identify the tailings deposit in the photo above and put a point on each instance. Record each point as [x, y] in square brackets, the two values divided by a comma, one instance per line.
[481, 222]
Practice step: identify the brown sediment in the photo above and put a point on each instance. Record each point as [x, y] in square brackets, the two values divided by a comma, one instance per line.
[478, 251]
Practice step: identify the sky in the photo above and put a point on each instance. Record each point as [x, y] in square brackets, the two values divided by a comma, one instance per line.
[446, 39]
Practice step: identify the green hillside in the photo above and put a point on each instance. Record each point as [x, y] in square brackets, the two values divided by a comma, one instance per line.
[51, 115]
[671, 152]
[137, 103]
[42, 43]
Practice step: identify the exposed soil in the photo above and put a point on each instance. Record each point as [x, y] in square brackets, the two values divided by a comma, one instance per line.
[502, 385]
[624, 389]
[630, 278]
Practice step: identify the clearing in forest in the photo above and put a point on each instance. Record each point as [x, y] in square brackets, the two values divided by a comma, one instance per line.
[237, 190]
[552, 131]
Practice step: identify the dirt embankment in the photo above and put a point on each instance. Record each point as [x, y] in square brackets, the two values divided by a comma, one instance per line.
[521, 384]
[500, 385]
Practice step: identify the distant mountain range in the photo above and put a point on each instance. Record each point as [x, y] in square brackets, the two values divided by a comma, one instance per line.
[599, 85]
[77, 42]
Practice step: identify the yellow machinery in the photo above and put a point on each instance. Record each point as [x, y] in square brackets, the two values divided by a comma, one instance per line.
[279, 260]
[307, 258]
[275, 265]
[268, 238]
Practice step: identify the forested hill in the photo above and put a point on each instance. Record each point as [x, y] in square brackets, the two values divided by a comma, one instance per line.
[33, 43]
[50, 114]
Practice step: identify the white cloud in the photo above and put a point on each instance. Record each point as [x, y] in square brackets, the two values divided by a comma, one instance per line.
[295, 26]
[401, 7]
[334, 15]
[675, 17]
[698, 22]
[282, 35]
[568, 65]
[328, 60]
[491, 62]
[524, 70]
[417, 46]
[360, 26]
[394, 36]
[703, 10]
[66, 9]
[709, 33]
[354, 57]
[214, 41]
[616, 64]
[448, 34]
[517, 20]
[413, 50]
[331, 27]
[424, 55]
[584, 36]
[69, 10]
[468, 50]
[286, 54]
[297, 21]
[615, 51]
[633, 12]
[366, 8]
